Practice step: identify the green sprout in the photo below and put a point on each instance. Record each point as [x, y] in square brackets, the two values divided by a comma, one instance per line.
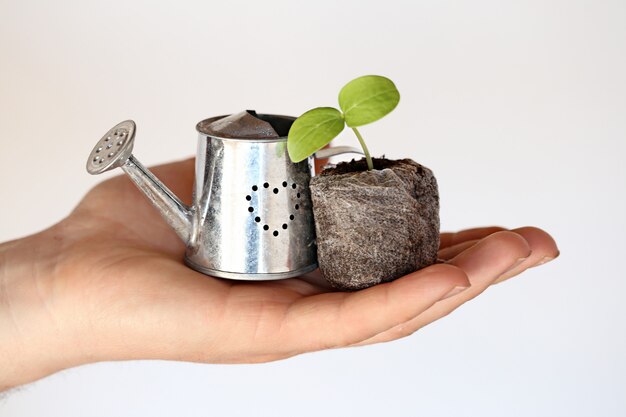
[363, 100]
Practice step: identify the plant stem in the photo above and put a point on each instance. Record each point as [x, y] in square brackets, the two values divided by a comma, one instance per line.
[368, 158]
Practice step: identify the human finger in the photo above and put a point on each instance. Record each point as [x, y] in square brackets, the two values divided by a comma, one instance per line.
[483, 263]
[543, 246]
[451, 251]
[453, 238]
[341, 318]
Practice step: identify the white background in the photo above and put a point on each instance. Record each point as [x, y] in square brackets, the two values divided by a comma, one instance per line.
[519, 107]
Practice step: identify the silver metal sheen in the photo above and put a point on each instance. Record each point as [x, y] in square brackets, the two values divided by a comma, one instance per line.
[251, 216]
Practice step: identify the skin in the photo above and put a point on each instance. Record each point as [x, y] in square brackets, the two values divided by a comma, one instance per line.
[108, 283]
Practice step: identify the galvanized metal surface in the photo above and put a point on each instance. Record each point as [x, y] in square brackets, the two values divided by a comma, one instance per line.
[252, 210]
[251, 217]
[113, 149]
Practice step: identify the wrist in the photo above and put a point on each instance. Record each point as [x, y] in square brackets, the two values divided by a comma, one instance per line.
[32, 328]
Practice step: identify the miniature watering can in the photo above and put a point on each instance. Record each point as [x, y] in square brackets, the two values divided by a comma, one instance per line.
[251, 217]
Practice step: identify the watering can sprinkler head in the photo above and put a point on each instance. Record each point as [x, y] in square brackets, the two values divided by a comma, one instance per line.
[114, 150]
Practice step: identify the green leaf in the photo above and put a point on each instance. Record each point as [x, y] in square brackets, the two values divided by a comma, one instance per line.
[367, 99]
[312, 131]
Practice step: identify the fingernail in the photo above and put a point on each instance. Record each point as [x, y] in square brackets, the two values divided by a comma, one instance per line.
[509, 272]
[544, 260]
[454, 291]
[515, 265]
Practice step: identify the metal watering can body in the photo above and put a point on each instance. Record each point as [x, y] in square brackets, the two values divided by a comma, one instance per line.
[251, 216]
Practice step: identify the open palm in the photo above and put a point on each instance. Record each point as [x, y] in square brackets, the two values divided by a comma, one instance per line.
[123, 292]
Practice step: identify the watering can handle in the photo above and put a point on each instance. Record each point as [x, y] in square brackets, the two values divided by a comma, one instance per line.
[328, 152]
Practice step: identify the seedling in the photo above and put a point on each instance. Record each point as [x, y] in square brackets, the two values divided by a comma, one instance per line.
[363, 100]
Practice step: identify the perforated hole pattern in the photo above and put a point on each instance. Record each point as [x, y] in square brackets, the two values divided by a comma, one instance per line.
[285, 187]
[110, 146]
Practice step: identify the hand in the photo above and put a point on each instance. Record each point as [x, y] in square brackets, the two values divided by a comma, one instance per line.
[108, 283]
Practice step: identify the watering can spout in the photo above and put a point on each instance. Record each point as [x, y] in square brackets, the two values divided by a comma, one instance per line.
[174, 211]
[115, 150]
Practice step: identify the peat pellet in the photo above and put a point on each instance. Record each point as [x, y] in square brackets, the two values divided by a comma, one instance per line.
[374, 226]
